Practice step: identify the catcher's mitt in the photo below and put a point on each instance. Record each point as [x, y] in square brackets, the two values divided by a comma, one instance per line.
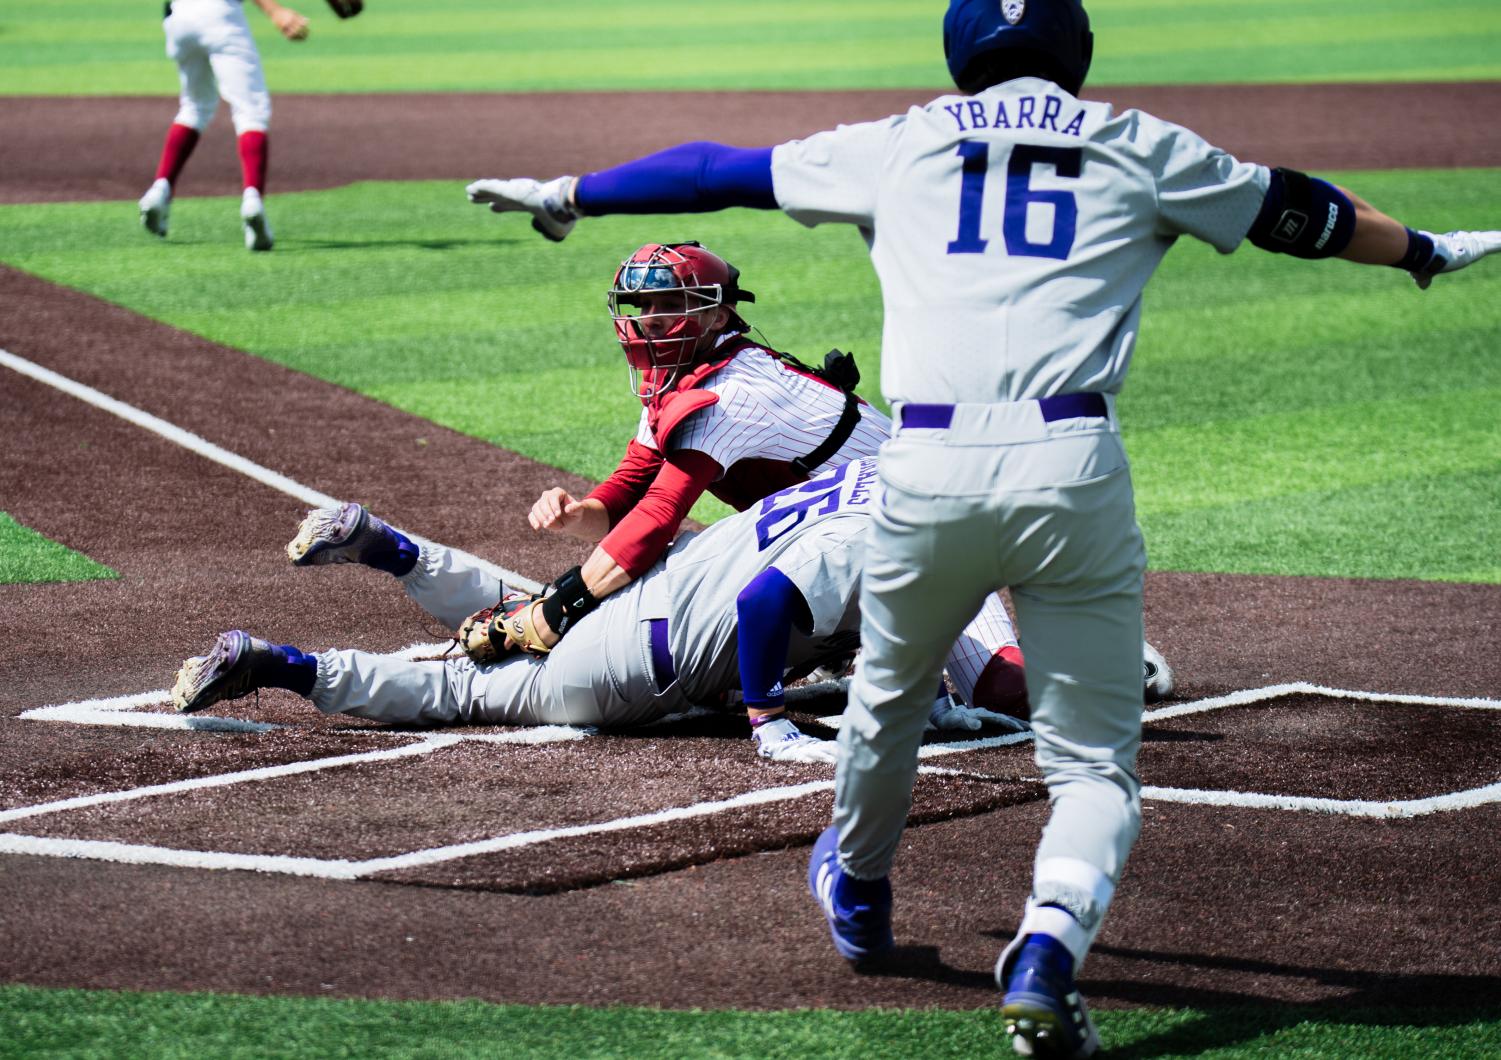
[489, 635]
[347, 8]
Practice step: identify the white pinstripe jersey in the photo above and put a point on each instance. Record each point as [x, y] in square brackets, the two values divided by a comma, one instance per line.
[767, 411]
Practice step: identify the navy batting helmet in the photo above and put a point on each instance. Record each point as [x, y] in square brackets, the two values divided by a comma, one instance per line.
[990, 41]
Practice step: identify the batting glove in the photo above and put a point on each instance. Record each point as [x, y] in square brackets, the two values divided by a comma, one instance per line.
[782, 741]
[1452, 251]
[950, 716]
[550, 204]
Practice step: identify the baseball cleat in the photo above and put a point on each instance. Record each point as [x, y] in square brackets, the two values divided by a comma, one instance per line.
[233, 668]
[858, 911]
[346, 534]
[1043, 1011]
[155, 205]
[1157, 675]
[253, 216]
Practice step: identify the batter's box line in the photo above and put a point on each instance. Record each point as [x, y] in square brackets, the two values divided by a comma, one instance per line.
[343, 869]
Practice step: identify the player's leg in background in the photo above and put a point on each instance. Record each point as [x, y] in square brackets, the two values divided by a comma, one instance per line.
[198, 98]
[242, 83]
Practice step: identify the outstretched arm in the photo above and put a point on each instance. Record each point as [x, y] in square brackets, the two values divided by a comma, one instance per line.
[689, 178]
[1312, 218]
[765, 613]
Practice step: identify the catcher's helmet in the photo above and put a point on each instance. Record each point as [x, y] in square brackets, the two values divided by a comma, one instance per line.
[661, 299]
[987, 42]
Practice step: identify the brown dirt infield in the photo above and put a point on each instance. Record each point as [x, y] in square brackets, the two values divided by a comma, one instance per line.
[1218, 906]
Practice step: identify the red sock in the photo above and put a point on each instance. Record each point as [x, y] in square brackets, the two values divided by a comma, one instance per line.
[181, 139]
[253, 153]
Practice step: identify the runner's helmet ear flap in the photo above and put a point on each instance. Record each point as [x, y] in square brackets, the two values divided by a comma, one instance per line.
[987, 43]
[663, 302]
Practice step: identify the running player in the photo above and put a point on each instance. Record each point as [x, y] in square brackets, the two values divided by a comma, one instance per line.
[210, 42]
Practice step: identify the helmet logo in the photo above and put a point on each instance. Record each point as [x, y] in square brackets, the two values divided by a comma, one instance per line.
[1013, 10]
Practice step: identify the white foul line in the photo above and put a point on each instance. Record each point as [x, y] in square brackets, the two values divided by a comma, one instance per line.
[207, 449]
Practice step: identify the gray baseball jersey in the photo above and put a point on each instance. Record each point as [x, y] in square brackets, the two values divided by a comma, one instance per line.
[1080, 203]
[1013, 233]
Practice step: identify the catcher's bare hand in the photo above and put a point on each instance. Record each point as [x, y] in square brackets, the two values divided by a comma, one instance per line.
[1452, 251]
[292, 25]
[555, 510]
[551, 204]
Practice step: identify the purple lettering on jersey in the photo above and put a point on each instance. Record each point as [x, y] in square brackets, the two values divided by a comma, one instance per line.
[1075, 125]
[1001, 121]
[1050, 110]
[957, 110]
[977, 114]
[1024, 108]
[864, 478]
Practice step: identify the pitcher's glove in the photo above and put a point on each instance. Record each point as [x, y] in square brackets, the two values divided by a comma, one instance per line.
[489, 635]
[347, 8]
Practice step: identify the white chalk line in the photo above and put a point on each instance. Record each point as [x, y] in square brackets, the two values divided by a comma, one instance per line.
[425, 745]
[342, 869]
[209, 451]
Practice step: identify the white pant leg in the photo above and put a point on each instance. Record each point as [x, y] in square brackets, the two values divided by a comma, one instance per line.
[198, 97]
[237, 67]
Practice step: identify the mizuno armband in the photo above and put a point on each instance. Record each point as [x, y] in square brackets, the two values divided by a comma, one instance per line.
[1303, 216]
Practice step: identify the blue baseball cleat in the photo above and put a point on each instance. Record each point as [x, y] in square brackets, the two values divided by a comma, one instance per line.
[1044, 1013]
[858, 911]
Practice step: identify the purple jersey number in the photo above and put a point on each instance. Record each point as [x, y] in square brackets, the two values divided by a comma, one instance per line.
[1067, 162]
[783, 511]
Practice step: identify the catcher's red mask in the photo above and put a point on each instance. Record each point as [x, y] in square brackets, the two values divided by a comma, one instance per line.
[663, 301]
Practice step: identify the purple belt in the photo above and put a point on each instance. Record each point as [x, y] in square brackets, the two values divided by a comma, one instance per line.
[1059, 407]
[661, 655]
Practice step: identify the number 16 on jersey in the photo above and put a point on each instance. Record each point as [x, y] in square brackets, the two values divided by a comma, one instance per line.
[1020, 200]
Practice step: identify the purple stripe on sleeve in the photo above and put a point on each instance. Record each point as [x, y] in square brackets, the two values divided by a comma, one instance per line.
[689, 178]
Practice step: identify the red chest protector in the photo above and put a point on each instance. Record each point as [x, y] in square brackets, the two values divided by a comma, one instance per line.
[746, 481]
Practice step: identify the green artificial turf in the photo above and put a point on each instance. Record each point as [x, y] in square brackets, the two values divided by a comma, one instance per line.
[1283, 416]
[80, 1023]
[26, 556]
[106, 47]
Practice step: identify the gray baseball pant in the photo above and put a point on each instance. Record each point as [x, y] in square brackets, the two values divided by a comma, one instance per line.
[600, 674]
[1003, 498]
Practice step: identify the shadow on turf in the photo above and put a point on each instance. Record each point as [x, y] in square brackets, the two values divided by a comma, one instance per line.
[1228, 1018]
[923, 962]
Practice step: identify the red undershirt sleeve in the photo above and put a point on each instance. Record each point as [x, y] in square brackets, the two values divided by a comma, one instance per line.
[640, 538]
[629, 482]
